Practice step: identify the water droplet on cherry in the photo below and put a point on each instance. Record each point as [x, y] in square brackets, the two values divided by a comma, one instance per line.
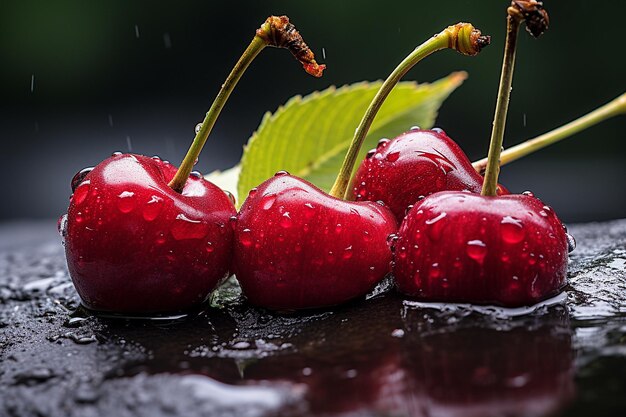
[571, 242]
[116, 153]
[285, 221]
[152, 208]
[528, 193]
[511, 230]
[62, 225]
[281, 173]
[187, 228]
[415, 128]
[195, 174]
[268, 201]
[477, 250]
[209, 247]
[370, 153]
[382, 143]
[126, 201]
[81, 193]
[347, 253]
[393, 156]
[231, 197]
[438, 130]
[80, 177]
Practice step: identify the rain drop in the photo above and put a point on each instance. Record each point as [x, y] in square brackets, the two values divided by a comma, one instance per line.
[370, 153]
[80, 177]
[231, 197]
[152, 208]
[393, 157]
[126, 202]
[62, 225]
[477, 250]
[81, 193]
[528, 193]
[571, 242]
[195, 174]
[197, 128]
[382, 143]
[438, 130]
[512, 230]
[347, 253]
[285, 221]
[281, 173]
[415, 128]
[116, 153]
[268, 201]
[186, 228]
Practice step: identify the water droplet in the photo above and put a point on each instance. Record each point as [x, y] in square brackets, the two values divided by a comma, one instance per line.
[285, 221]
[81, 193]
[347, 253]
[528, 193]
[79, 217]
[542, 213]
[477, 250]
[338, 228]
[80, 177]
[209, 247]
[281, 173]
[393, 156]
[156, 157]
[438, 130]
[195, 174]
[268, 201]
[231, 197]
[186, 228]
[370, 153]
[415, 128]
[392, 238]
[116, 153]
[512, 230]
[435, 271]
[571, 242]
[126, 202]
[246, 238]
[160, 238]
[382, 143]
[152, 208]
[62, 225]
[436, 226]
[197, 128]
[366, 236]
[407, 209]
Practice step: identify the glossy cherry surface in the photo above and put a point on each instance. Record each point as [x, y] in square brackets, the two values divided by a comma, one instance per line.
[413, 165]
[134, 245]
[297, 247]
[461, 247]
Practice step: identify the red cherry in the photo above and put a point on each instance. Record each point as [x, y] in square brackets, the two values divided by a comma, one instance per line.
[135, 245]
[456, 246]
[297, 247]
[411, 166]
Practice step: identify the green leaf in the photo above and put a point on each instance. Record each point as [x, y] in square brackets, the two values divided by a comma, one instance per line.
[308, 137]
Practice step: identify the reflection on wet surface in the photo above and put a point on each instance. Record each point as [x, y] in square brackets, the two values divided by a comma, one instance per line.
[383, 356]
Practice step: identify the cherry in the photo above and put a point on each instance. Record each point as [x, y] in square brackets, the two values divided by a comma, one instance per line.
[297, 247]
[457, 246]
[509, 250]
[411, 166]
[133, 244]
[142, 236]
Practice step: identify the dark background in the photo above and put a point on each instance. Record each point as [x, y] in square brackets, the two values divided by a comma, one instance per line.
[77, 83]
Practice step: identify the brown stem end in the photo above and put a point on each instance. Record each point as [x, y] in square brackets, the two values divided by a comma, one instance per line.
[466, 39]
[532, 13]
[277, 31]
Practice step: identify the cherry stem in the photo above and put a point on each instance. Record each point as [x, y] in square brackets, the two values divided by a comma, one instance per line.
[276, 31]
[611, 109]
[462, 37]
[537, 20]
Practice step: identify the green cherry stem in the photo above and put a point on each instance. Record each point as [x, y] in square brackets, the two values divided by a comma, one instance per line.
[462, 37]
[276, 31]
[611, 109]
[537, 20]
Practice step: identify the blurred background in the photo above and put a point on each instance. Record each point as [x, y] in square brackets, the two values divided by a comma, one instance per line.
[79, 80]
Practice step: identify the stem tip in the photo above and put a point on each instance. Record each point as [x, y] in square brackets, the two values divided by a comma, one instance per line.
[531, 12]
[277, 31]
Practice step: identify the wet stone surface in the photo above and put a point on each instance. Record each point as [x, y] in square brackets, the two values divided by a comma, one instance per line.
[382, 356]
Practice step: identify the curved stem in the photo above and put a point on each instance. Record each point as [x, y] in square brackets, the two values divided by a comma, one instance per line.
[256, 46]
[275, 31]
[611, 109]
[462, 37]
[537, 20]
[490, 184]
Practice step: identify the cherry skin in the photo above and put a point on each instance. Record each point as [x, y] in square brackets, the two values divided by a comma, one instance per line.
[297, 247]
[413, 165]
[134, 245]
[461, 247]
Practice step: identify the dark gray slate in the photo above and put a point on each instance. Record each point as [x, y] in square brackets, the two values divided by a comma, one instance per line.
[382, 356]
